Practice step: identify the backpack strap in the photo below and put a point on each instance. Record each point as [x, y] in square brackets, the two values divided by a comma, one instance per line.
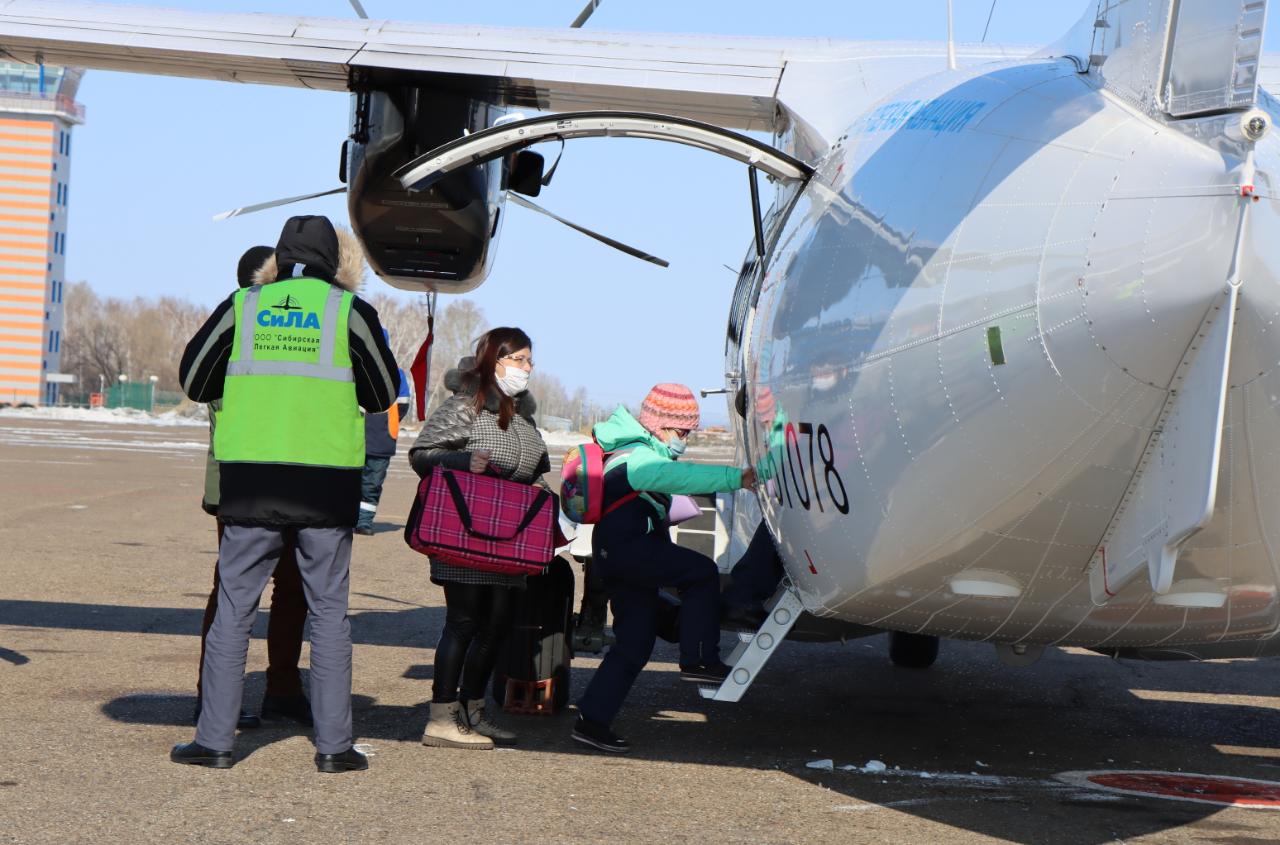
[608, 459]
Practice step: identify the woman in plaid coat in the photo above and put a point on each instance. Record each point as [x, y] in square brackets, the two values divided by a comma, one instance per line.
[485, 426]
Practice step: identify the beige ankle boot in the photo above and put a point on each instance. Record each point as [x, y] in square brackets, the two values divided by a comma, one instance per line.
[478, 719]
[448, 728]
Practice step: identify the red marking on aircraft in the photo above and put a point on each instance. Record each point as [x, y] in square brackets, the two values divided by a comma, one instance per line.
[812, 568]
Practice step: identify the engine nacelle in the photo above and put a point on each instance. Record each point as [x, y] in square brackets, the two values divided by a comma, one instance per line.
[440, 239]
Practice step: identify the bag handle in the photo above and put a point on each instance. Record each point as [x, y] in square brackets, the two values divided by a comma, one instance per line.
[464, 513]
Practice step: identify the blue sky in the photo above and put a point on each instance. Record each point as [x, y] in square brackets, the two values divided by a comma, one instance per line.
[159, 156]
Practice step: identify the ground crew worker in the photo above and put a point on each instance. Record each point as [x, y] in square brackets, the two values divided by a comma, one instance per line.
[283, 698]
[293, 359]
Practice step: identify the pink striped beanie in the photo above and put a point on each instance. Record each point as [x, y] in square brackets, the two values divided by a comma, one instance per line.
[669, 406]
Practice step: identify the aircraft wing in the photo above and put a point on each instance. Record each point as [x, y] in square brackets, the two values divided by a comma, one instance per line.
[729, 81]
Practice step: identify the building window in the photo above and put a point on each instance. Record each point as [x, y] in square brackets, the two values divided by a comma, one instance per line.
[51, 339]
[57, 341]
[68, 143]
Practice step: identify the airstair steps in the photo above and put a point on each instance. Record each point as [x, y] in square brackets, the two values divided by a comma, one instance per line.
[753, 650]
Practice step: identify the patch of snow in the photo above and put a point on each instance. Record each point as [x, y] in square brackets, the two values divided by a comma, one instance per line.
[108, 415]
[824, 765]
[874, 766]
[563, 439]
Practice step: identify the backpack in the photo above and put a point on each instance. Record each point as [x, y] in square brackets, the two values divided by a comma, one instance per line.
[582, 484]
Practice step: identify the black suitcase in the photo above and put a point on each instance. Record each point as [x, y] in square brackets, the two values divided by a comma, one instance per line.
[532, 673]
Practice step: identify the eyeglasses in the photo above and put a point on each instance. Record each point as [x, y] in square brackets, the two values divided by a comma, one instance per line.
[518, 360]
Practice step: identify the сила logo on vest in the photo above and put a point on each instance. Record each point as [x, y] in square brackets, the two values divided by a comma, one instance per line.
[288, 320]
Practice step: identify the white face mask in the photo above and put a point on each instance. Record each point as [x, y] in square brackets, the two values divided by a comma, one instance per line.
[514, 382]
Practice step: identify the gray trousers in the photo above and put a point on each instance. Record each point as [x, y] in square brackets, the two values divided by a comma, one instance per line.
[245, 563]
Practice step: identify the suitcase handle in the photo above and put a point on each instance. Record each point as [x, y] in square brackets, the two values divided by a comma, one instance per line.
[464, 513]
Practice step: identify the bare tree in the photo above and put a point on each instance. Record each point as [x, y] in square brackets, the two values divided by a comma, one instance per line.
[106, 338]
[458, 326]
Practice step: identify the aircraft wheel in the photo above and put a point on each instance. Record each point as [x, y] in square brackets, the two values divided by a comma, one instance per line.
[912, 651]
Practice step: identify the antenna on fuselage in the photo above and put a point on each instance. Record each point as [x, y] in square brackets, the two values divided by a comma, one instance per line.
[951, 40]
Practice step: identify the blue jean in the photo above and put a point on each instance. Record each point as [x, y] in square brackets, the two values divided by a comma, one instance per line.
[634, 568]
[375, 472]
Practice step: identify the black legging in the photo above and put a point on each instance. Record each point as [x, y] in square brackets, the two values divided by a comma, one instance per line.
[476, 619]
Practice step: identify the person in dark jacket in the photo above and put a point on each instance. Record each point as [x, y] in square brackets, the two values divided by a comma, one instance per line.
[485, 426]
[381, 431]
[632, 547]
[293, 357]
[284, 698]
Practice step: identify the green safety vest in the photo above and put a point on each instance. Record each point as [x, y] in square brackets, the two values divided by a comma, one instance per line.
[290, 394]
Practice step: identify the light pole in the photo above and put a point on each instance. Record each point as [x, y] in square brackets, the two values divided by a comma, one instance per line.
[123, 379]
[151, 396]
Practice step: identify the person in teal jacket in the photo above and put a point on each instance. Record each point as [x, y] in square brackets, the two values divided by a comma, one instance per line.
[632, 549]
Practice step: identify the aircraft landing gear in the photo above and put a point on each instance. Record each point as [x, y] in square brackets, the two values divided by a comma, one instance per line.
[912, 651]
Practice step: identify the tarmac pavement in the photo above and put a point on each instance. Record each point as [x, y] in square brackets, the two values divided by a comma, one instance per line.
[105, 563]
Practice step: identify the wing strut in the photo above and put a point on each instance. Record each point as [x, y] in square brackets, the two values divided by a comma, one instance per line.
[755, 213]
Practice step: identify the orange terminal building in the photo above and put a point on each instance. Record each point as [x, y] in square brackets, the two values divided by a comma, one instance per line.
[38, 109]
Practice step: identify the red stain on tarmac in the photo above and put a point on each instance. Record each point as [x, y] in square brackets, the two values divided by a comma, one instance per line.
[812, 568]
[1209, 789]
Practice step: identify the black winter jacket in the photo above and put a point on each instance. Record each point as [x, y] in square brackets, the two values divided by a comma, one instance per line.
[285, 494]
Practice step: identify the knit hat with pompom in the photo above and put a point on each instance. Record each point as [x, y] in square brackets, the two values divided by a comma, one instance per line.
[669, 406]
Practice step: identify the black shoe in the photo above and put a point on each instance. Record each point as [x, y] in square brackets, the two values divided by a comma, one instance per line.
[195, 754]
[246, 722]
[706, 673]
[366, 530]
[344, 761]
[295, 708]
[599, 736]
[743, 617]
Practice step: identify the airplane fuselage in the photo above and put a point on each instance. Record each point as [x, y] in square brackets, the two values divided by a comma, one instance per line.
[968, 335]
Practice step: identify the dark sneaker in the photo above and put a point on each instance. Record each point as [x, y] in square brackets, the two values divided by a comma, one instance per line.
[705, 673]
[743, 617]
[366, 530]
[195, 754]
[344, 761]
[598, 736]
[295, 708]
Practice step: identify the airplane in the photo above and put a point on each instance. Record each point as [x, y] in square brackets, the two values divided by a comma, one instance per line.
[1003, 346]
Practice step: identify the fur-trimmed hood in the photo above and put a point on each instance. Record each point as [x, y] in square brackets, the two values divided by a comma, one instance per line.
[459, 382]
[347, 274]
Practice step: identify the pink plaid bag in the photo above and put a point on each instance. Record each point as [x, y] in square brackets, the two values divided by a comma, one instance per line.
[483, 522]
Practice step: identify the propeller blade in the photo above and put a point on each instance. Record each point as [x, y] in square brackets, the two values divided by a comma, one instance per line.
[584, 14]
[360, 12]
[250, 209]
[604, 239]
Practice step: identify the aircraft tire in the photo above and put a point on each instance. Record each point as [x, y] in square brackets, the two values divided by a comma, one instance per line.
[912, 651]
